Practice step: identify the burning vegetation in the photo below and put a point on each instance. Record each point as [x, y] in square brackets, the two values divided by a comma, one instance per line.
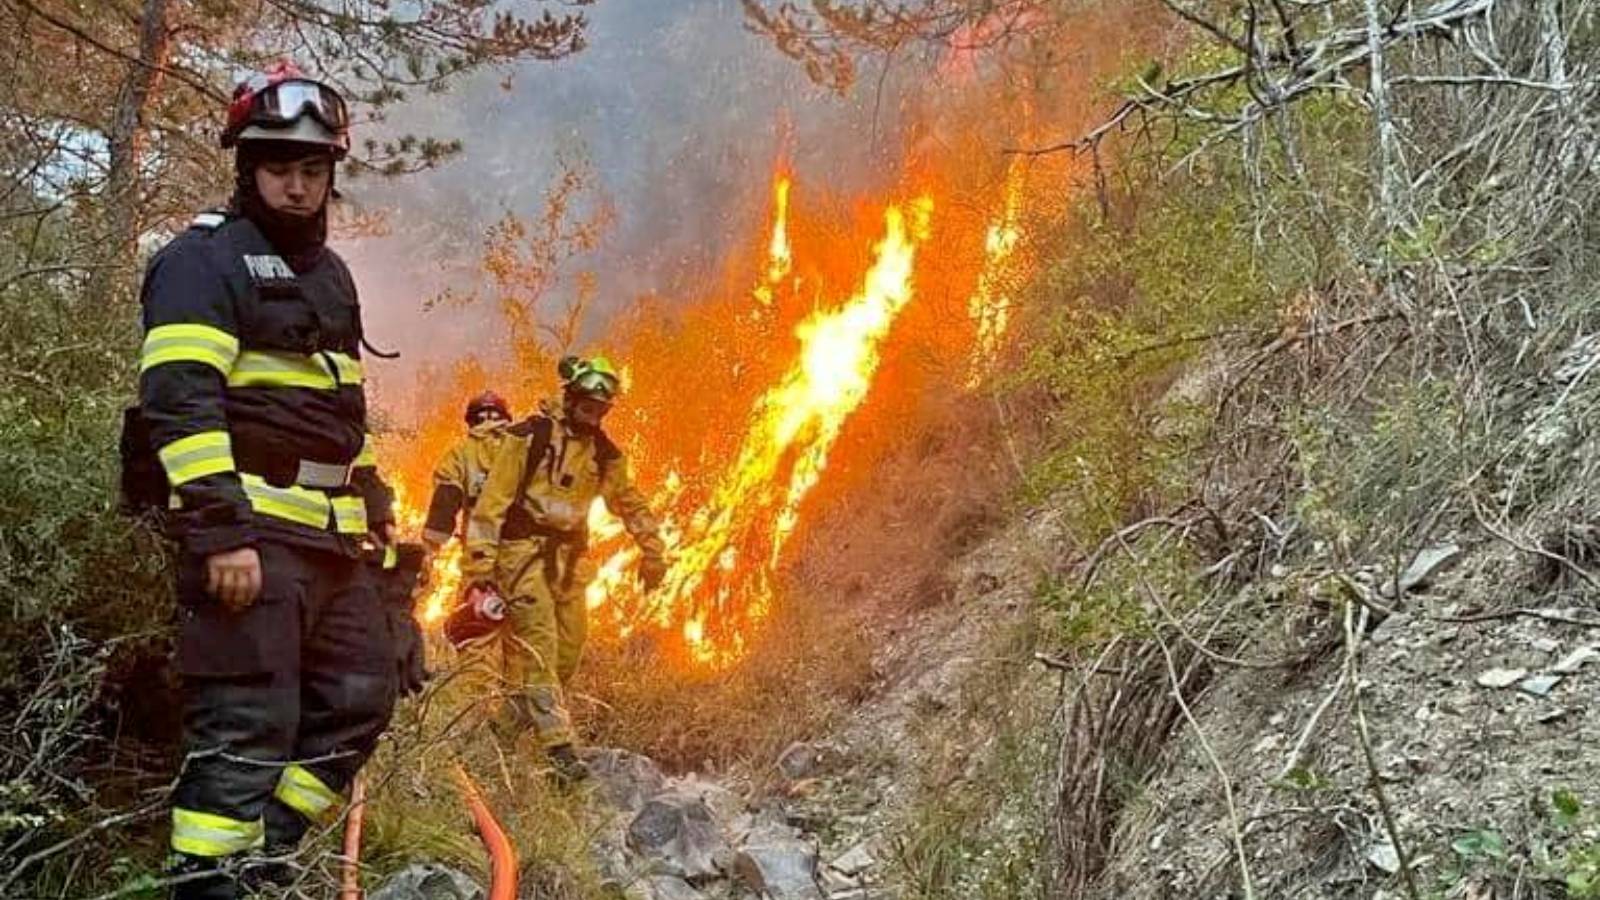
[737, 406]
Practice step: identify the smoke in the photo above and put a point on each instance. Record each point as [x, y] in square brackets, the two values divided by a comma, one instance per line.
[681, 112]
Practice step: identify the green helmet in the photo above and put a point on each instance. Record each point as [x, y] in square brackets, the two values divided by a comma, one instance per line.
[596, 378]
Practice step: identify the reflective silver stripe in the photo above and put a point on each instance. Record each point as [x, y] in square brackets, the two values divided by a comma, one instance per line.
[350, 515]
[303, 505]
[207, 834]
[322, 475]
[301, 790]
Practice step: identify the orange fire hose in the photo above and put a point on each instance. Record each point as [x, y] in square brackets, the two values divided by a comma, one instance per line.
[350, 873]
[502, 856]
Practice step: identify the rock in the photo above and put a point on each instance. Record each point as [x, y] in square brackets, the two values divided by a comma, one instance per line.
[623, 779]
[1539, 685]
[1384, 857]
[1575, 660]
[835, 883]
[1427, 564]
[800, 760]
[426, 881]
[664, 887]
[679, 835]
[855, 860]
[781, 867]
[1501, 678]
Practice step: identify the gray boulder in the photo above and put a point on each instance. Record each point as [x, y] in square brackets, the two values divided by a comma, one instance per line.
[426, 881]
[624, 780]
[779, 866]
[679, 836]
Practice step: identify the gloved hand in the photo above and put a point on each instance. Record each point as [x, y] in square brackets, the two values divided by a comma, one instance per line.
[652, 571]
[411, 652]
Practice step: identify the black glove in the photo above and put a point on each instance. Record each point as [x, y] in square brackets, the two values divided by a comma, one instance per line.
[411, 652]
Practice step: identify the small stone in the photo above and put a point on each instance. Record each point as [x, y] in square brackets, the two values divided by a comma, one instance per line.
[1539, 685]
[1545, 645]
[835, 883]
[1554, 715]
[1384, 857]
[1575, 660]
[1428, 563]
[1501, 678]
[855, 860]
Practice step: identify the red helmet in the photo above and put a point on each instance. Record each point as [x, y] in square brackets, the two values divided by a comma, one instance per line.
[282, 104]
[487, 402]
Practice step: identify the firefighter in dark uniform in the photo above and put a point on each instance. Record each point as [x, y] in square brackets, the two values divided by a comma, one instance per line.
[251, 390]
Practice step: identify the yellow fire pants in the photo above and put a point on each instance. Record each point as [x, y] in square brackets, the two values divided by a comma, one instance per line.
[538, 650]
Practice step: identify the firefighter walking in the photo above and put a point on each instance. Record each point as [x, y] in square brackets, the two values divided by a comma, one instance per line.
[460, 475]
[526, 539]
[251, 398]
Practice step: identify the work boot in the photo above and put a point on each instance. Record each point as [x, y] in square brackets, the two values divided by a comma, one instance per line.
[566, 767]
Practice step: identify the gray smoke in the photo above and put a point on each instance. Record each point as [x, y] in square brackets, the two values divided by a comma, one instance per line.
[681, 111]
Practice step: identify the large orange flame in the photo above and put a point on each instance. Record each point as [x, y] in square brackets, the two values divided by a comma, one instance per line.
[724, 551]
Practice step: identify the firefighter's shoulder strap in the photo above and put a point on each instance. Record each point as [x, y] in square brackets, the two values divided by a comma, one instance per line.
[539, 429]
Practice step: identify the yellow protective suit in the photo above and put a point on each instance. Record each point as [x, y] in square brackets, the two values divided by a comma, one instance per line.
[527, 535]
[459, 479]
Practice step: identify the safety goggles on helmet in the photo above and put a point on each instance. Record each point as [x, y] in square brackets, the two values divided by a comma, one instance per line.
[596, 379]
[272, 110]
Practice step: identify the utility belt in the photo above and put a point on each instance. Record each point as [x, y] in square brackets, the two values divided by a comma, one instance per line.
[302, 491]
[520, 526]
[561, 550]
[286, 471]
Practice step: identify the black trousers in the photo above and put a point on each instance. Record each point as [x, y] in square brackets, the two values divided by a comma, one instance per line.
[283, 703]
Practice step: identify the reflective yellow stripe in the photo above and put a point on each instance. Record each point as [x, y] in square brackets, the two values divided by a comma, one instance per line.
[296, 504]
[272, 368]
[366, 457]
[197, 456]
[189, 343]
[306, 794]
[207, 834]
[350, 515]
[349, 368]
[391, 556]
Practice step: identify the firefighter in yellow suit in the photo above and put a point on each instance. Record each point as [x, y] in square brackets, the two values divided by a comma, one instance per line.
[461, 474]
[526, 539]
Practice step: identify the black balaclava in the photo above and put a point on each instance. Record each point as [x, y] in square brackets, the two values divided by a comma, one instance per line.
[298, 239]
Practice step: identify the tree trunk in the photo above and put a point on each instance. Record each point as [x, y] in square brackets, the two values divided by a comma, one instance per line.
[126, 140]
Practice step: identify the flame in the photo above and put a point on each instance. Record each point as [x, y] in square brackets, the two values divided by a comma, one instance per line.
[990, 304]
[728, 523]
[443, 580]
[730, 543]
[780, 257]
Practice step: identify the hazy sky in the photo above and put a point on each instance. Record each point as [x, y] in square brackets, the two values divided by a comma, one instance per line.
[680, 109]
